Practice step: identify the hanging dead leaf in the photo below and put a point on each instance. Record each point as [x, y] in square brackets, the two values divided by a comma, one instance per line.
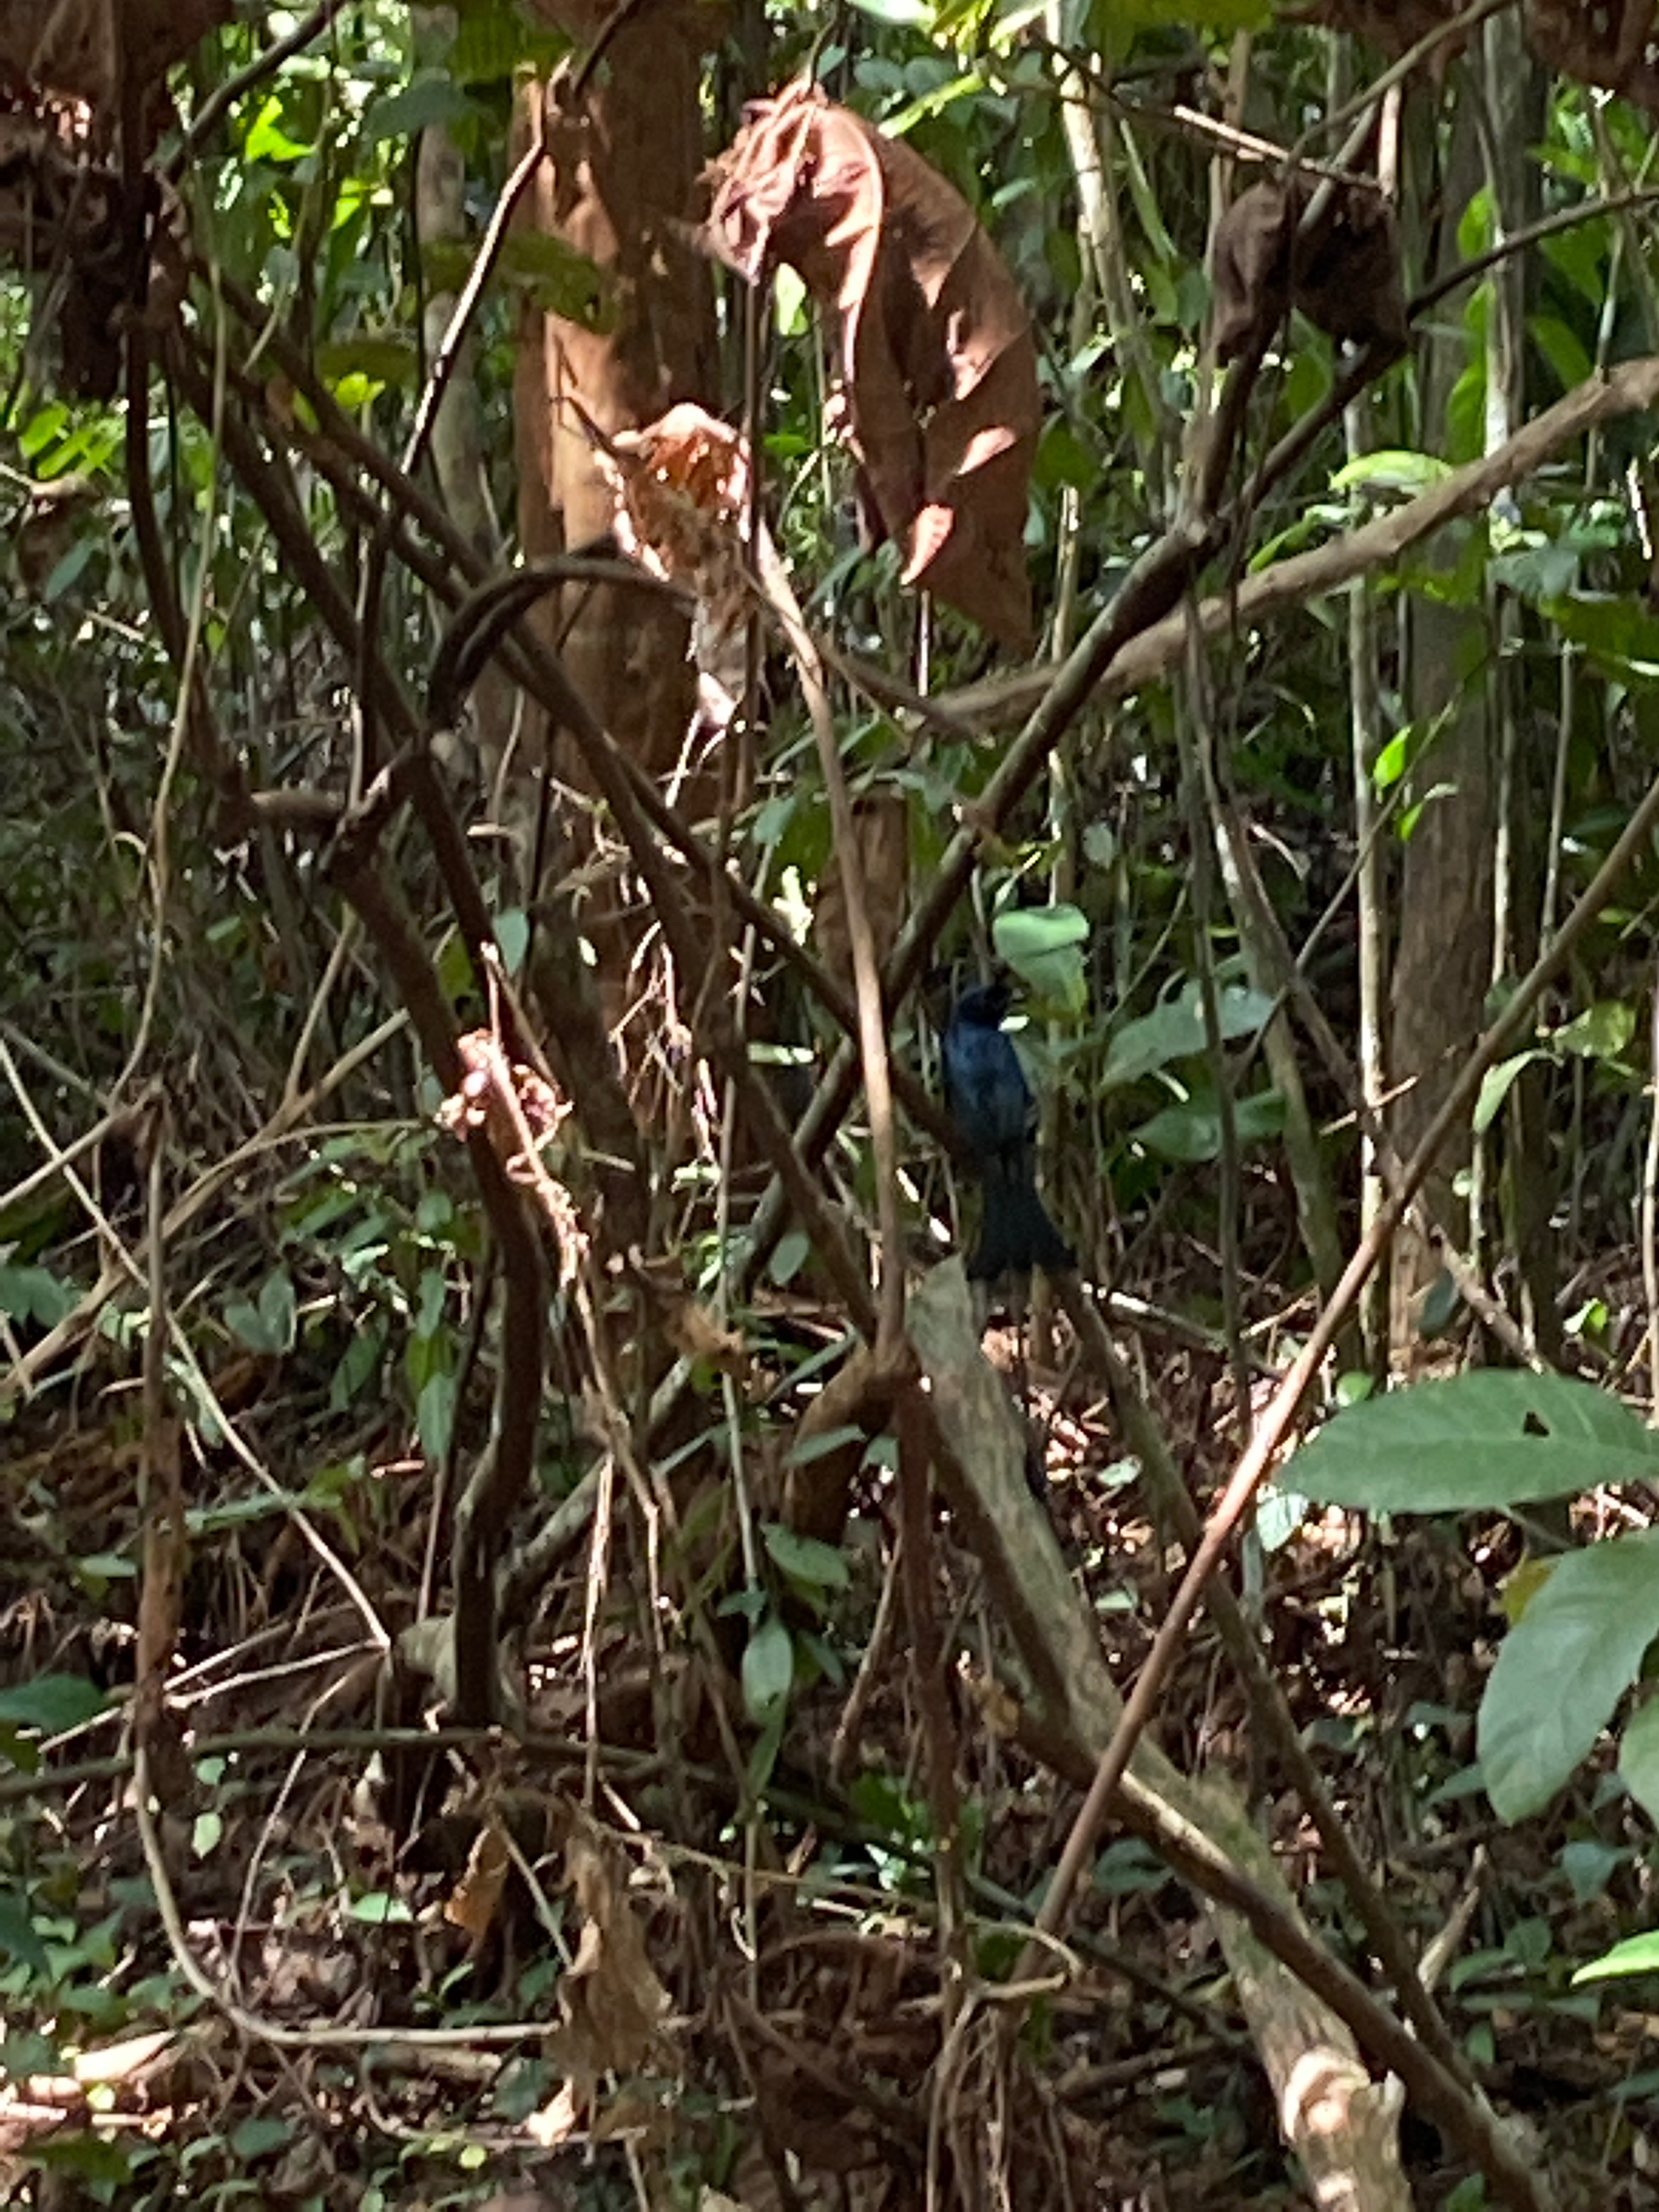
[937, 356]
[682, 487]
[614, 2005]
[94, 49]
[476, 1898]
[1343, 272]
[1396, 26]
[881, 820]
[1614, 45]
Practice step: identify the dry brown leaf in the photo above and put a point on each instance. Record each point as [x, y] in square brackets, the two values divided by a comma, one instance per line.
[1614, 45]
[474, 1901]
[1345, 277]
[613, 2004]
[1396, 26]
[938, 360]
[693, 1331]
[682, 487]
[881, 820]
[92, 49]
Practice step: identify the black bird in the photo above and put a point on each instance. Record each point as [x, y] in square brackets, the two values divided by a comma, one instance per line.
[990, 1102]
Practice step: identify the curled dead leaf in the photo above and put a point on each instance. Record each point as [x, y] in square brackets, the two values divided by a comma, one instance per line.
[614, 2005]
[1615, 45]
[1394, 25]
[937, 360]
[1343, 271]
[681, 489]
[476, 1898]
[93, 49]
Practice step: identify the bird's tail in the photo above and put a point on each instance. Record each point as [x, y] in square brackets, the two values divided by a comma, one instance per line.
[1015, 1232]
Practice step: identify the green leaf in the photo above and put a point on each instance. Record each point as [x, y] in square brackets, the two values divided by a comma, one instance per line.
[1638, 1757]
[380, 1908]
[33, 1294]
[433, 98]
[1496, 1085]
[1043, 946]
[52, 1703]
[1475, 1443]
[268, 1326]
[434, 1413]
[267, 140]
[1638, 1954]
[803, 1558]
[1192, 1131]
[18, 1938]
[1600, 1032]
[259, 2135]
[1392, 470]
[513, 936]
[1176, 1031]
[805, 1449]
[768, 1671]
[558, 279]
[378, 360]
[1026, 932]
[1563, 1668]
[793, 1249]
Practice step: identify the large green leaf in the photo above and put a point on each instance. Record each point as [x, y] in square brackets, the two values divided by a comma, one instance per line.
[1638, 1757]
[1176, 1031]
[1476, 1442]
[1563, 1667]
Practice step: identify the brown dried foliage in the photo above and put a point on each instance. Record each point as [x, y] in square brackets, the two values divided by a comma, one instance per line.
[1344, 274]
[938, 365]
[1611, 43]
[1396, 26]
[1615, 44]
[97, 50]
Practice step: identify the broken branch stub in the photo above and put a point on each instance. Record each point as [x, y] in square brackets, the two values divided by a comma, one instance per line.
[938, 366]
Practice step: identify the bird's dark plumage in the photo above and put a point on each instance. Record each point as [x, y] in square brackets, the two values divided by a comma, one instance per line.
[990, 1102]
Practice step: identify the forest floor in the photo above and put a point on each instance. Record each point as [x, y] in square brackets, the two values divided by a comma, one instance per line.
[587, 1966]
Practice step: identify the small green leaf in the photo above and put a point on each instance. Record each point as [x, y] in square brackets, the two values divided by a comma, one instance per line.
[513, 936]
[380, 1908]
[768, 1671]
[378, 360]
[1638, 1954]
[1192, 1131]
[1600, 1032]
[434, 1413]
[793, 1248]
[33, 1294]
[18, 1938]
[1391, 470]
[803, 1558]
[1496, 1085]
[1043, 946]
[259, 2135]
[805, 1449]
[52, 1703]
[267, 140]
